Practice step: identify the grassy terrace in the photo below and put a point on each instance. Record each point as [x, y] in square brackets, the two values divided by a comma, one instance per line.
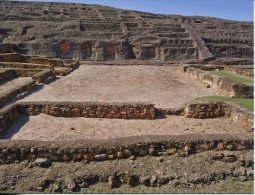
[245, 103]
[233, 77]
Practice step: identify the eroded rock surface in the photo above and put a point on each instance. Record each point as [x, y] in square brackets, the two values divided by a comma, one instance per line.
[93, 32]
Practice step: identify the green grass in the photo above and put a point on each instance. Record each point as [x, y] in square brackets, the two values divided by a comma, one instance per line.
[246, 103]
[233, 77]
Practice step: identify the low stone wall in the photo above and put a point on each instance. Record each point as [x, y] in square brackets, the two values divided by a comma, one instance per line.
[218, 109]
[26, 72]
[242, 117]
[206, 110]
[90, 150]
[6, 47]
[12, 57]
[230, 88]
[89, 110]
[8, 115]
[243, 72]
[46, 61]
[23, 65]
[44, 76]
[7, 74]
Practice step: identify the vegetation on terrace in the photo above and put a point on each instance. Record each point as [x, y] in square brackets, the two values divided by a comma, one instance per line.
[233, 77]
[245, 103]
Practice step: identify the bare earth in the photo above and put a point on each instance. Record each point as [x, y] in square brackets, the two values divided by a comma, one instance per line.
[164, 86]
[48, 128]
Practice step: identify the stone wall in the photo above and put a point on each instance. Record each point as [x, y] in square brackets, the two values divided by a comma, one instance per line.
[89, 110]
[12, 57]
[229, 87]
[8, 95]
[219, 109]
[8, 115]
[6, 47]
[6, 75]
[244, 72]
[242, 117]
[205, 110]
[90, 150]
[44, 76]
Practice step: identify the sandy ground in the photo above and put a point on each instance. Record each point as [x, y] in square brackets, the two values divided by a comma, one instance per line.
[164, 86]
[48, 128]
[14, 83]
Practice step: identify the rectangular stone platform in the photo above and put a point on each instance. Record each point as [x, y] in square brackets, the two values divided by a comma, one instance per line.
[164, 86]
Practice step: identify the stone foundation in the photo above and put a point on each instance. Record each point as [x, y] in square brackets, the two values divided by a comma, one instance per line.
[206, 110]
[230, 88]
[243, 72]
[90, 150]
[89, 110]
[214, 110]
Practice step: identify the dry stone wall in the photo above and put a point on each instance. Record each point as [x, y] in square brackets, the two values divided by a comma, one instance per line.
[89, 110]
[12, 151]
[230, 88]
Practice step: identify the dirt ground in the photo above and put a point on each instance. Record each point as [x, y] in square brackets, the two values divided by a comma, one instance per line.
[195, 173]
[164, 86]
[48, 128]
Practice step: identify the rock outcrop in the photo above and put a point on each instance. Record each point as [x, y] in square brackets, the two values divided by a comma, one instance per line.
[93, 32]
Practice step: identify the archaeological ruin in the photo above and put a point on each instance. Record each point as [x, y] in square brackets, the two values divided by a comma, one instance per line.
[99, 98]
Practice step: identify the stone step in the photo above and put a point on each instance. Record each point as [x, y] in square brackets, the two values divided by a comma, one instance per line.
[228, 40]
[15, 87]
[170, 29]
[6, 75]
[23, 65]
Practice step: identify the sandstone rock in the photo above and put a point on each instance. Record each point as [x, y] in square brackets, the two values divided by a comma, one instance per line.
[113, 181]
[132, 157]
[77, 157]
[230, 158]
[152, 151]
[69, 184]
[217, 156]
[100, 157]
[57, 188]
[153, 181]
[143, 152]
[145, 180]
[41, 162]
[111, 156]
[220, 146]
[120, 154]
[127, 153]
[172, 151]
[88, 157]
[84, 185]
[230, 147]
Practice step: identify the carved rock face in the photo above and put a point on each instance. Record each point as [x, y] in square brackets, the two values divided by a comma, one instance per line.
[90, 32]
